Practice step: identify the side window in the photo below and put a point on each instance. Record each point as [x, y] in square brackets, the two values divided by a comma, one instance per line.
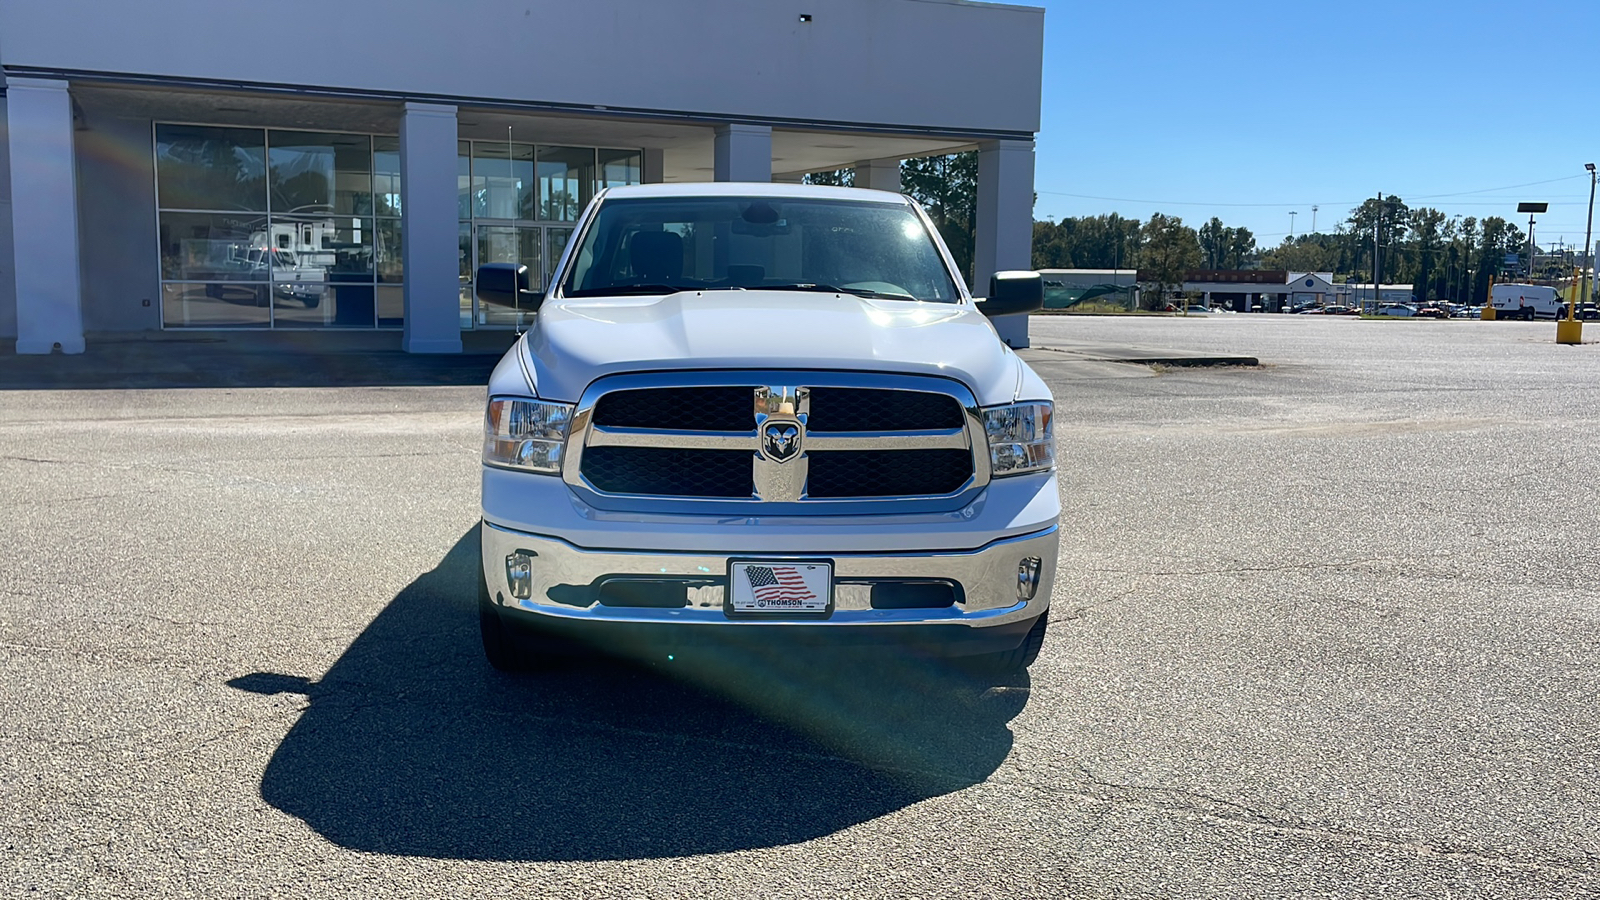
[283, 242]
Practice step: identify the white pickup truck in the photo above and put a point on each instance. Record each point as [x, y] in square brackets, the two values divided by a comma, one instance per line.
[764, 413]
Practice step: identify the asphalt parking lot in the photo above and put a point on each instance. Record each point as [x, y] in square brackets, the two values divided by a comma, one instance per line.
[1323, 627]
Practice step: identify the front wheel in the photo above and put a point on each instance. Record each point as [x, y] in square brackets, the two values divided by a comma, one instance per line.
[499, 648]
[1012, 662]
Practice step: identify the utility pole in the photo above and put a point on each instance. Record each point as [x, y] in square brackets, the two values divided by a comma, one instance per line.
[1377, 266]
[1313, 218]
[1292, 214]
[1588, 239]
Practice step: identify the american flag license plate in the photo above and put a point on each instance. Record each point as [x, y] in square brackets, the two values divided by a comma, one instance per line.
[780, 586]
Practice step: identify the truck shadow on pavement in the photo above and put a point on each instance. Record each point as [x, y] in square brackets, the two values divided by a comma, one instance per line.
[412, 745]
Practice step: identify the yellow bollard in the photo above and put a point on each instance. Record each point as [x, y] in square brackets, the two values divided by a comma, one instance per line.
[1488, 303]
[1570, 330]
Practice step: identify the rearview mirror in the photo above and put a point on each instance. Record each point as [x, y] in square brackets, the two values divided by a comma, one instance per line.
[506, 284]
[1011, 293]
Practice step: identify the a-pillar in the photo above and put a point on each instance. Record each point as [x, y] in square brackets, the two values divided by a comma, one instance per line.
[743, 153]
[44, 216]
[429, 240]
[1004, 233]
[879, 174]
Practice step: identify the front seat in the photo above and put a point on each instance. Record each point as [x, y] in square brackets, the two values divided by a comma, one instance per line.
[656, 257]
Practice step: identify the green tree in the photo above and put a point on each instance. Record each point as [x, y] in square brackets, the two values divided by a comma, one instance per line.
[834, 177]
[1092, 242]
[1387, 219]
[1427, 234]
[1168, 249]
[947, 187]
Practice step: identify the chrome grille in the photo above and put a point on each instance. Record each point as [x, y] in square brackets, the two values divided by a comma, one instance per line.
[700, 436]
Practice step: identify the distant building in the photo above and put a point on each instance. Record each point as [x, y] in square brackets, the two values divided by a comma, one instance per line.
[1361, 294]
[1267, 290]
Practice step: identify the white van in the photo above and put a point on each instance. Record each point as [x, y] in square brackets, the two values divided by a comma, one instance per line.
[1526, 301]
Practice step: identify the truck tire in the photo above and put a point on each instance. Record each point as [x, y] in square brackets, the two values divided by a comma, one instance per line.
[502, 652]
[1012, 662]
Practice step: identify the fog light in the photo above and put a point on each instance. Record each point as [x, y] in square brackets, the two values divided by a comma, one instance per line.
[1028, 578]
[519, 574]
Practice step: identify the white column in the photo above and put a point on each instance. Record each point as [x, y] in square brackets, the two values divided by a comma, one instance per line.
[879, 174]
[44, 215]
[1004, 233]
[654, 168]
[429, 233]
[743, 153]
[1206, 299]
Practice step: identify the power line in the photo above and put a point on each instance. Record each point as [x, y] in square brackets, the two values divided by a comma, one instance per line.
[1508, 187]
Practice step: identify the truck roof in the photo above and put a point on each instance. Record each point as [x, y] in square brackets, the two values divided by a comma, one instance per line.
[752, 189]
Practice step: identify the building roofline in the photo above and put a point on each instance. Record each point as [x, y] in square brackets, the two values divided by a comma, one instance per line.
[129, 79]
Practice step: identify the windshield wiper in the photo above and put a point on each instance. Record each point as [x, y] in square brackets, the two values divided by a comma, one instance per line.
[832, 289]
[618, 290]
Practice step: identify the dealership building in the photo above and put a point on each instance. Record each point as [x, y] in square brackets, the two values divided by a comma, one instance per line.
[326, 166]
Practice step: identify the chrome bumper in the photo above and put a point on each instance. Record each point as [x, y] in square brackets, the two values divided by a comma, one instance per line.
[564, 578]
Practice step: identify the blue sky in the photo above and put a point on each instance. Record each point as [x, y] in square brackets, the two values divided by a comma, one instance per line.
[1278, 106]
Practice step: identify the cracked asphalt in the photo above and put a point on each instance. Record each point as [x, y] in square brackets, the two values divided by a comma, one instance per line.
[1323, 627]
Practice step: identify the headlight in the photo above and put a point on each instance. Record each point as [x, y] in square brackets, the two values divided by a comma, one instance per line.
[1020, 438]
[525, 434]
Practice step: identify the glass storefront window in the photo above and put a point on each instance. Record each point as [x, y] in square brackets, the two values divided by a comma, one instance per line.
[298, 305]
[509, 245]
[315, 247]
[463, 179]
[213, 246]
[566, 182]
[216, 305]
[200, 167]
[391, 306]
[502, 180]
[386, 176]
[278, 228]
[620, 167]
[387, 259]
[318, 172]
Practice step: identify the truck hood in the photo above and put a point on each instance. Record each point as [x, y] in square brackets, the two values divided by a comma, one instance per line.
[575, 341]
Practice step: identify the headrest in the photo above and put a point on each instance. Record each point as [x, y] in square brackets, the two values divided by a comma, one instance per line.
[656, 255]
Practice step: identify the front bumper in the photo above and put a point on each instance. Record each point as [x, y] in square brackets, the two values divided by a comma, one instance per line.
[987, 614]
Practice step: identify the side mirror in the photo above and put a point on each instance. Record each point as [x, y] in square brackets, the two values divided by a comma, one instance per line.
[506, 284]
[1011, 293]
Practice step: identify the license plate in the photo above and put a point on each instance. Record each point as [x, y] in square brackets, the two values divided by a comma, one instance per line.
[780, 586]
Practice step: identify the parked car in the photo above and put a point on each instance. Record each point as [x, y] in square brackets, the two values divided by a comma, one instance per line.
[1465, 311]
[1396, 309]
[1340, 311]
[1430, 311]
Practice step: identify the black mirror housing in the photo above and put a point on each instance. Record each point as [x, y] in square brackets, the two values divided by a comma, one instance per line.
[506, 284]
[1012, 293]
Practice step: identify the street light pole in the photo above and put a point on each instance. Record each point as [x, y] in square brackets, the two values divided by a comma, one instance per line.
[1313, 219]
[1292, 214]
[1588, 243]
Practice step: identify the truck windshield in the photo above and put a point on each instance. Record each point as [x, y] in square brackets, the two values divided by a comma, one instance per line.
[667, 244]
